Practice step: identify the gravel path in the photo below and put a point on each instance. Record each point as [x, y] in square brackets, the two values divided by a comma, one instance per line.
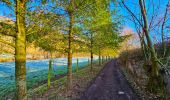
[110, 84]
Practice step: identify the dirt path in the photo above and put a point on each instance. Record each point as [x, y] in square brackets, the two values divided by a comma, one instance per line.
[110, 85]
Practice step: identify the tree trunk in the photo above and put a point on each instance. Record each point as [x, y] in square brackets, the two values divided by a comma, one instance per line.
[88, 62]
[91, 51]
[154, 79]
[91, 63]
[162, 29]
[99, 57]
[77, 66]
[20, 51]
[150, 45]
[102, 59]
[71, 22]
[49, 72]
[144, 46]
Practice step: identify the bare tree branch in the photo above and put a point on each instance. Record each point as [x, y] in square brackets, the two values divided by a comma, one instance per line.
[131, 12]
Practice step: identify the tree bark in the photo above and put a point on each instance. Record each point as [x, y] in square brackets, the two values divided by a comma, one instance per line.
[70, 38]
[154, 78]
[88, 62]
[162, 30]
[143, 46]
[102, 59]
[150, 45]
[20, 51]
[91, 51]
[99, 56]
[77, 66]
[49, 73]
[91, 62]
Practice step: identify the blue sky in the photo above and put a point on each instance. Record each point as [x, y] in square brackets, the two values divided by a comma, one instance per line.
[4, 10]
[159, 7]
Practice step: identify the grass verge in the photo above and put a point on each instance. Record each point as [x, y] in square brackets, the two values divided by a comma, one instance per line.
[81, 80]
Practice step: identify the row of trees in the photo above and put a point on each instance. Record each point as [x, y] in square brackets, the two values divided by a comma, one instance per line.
[64, 26]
